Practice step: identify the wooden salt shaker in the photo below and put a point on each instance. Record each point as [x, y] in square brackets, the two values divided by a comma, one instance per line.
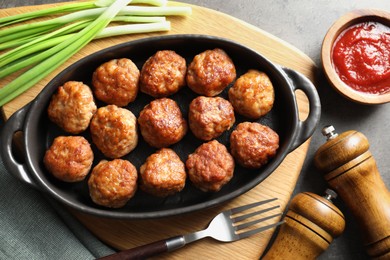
[351, 171]
[310, 225]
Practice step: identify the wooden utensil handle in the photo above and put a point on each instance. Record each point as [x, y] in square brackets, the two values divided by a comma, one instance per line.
[145, 251]
[141, 252]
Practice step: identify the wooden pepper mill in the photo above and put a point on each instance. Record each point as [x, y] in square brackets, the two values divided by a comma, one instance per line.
[351, 171]
[310, 225]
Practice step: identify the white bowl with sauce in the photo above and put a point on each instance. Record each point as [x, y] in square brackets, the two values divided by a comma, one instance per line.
[361, 61]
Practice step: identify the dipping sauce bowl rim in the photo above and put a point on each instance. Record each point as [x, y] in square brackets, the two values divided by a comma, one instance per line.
[344, 22]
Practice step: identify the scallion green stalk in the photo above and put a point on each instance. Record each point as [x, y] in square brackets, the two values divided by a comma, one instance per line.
[36, 44]
[9, 64]
[134, 28]
[18, 31]
[153, 10]
[68, 49]
[139, 19]
[71, 7]
[8, 60]
[151, 2]
[35, 31]
[21, 40]
[67, 8]
[46, 45]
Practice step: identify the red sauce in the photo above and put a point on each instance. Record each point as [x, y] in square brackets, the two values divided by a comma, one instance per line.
[361, 57]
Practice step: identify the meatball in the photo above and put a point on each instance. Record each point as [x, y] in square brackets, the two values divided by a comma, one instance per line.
[163, 173]
[253, 144]
[116, 82]
[209, 117]
[69, 158]
[252, 95]
[210, 72]
[210, 167]
[113, 183]
[161, 123]
[114, 131]
[163, 74]
[72, 107]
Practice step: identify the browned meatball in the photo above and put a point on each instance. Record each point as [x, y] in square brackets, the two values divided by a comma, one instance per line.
[210, 72]
[163, 74]
[161, 123]
[210, 167]
[114, 131]
[163, 173]
[253, 144]
[69, 158]
[113, 183]
[116, 82]
[252, 95]
[209, 117]
[72, 107]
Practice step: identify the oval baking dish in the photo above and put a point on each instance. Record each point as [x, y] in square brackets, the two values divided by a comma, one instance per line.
[39, 132]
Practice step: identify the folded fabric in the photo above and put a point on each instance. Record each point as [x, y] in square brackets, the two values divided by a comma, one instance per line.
[33, 226]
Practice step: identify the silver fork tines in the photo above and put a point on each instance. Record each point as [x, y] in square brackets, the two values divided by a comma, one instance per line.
[252, 214]
[253, 222]
[223, 227]
[260, 229]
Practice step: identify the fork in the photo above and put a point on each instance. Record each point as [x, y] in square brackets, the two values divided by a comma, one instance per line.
[222, 228]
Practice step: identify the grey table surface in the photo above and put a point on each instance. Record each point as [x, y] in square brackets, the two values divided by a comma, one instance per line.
[304, 24]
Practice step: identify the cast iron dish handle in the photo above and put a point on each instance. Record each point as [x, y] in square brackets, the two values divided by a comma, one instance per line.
[307, 127]
[14, 124]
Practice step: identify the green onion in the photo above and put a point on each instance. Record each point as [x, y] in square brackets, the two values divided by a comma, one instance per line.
[16, 42]
[134, 28]
[45, 45]
[33, 45]
[139, 19]
[68, 49]
[17, 31]
[9, 35]
[70, 7]
[151, 2]
[21, 40]
[9, 64]
[151, 10]
[4, 21]
[12, 33]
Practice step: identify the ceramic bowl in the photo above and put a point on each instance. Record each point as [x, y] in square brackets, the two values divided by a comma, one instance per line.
[334, 31]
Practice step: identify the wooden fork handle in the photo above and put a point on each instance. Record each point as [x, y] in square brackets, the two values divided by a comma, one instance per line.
[148, 250]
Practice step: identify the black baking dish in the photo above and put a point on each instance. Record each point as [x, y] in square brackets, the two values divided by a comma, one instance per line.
[38, 132]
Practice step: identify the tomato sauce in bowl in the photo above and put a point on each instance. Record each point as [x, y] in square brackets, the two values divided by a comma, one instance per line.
[355, 56]
[361, 57]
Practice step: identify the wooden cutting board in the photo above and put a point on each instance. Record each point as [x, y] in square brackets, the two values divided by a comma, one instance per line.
[123, 234]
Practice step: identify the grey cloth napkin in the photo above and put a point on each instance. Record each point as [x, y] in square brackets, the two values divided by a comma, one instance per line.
[33, 226]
